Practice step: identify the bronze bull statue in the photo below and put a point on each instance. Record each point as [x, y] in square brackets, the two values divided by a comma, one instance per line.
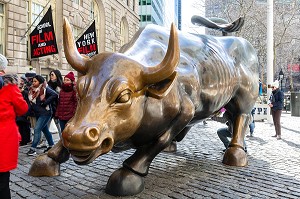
[150, 94]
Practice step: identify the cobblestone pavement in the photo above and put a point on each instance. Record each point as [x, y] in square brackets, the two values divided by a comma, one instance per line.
[194, 171]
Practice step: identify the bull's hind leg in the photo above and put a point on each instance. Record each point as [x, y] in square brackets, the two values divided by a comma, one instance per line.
[48, 164]
[235, 155]
[128, 180]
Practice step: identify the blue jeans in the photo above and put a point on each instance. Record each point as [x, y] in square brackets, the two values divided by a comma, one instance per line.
[62, 124]
[41, 125]
[252, 126]
[224, 134]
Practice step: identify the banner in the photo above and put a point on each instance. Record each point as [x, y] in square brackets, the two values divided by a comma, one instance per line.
[87, 43]
[42, 38]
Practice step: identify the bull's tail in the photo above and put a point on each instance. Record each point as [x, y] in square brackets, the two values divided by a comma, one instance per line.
[218, 24]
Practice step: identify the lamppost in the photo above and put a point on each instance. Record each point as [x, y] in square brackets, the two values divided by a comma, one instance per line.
[281, 76]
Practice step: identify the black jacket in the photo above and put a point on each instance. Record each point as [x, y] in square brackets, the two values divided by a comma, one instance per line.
[276, 99]
[40, 108]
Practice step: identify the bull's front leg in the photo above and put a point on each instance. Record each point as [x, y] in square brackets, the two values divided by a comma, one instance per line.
[235, 155]
[48, 164]
[129, 180]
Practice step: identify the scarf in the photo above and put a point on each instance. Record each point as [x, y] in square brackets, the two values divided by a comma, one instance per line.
[67, 87]
[36, 92]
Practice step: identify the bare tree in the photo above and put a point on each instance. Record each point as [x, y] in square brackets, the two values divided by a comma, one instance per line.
[286, 26]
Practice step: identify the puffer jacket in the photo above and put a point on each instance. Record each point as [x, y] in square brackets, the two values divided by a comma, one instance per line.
[67, 103]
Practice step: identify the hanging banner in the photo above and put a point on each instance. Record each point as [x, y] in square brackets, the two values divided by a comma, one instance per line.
[42, 38]
[87, 43]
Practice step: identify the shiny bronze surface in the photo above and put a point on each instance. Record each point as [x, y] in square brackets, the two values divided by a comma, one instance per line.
[151, 93]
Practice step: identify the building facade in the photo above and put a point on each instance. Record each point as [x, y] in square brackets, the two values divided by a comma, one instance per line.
[152, 12]
[116, 23]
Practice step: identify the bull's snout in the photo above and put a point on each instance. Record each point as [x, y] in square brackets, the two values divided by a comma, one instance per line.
[87, 139]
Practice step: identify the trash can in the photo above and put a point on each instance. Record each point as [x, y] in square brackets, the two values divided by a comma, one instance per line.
[295, 104]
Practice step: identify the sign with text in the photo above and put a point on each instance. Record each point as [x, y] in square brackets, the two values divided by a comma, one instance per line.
[87, 43]
[42, 38]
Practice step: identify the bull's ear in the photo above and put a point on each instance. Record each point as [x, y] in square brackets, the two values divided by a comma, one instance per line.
[162, 88]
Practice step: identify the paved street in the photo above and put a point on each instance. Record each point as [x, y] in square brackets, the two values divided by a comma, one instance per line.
[194, 171]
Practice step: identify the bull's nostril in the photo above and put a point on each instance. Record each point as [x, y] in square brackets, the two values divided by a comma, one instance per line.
[93, 133]
[106, 143]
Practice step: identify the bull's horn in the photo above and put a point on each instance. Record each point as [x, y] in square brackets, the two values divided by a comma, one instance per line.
[168, 64]
[77, 61]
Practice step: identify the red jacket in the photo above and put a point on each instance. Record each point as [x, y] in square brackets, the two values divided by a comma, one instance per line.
[12, 104]
[67, 103]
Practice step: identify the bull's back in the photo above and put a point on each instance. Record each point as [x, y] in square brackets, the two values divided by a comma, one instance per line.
[209, 68]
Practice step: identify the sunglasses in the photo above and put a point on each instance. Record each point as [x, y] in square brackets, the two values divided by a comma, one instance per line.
[52, 74]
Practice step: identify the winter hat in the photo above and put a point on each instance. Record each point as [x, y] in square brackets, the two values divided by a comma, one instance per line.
[275, 84]
[71, 76]
[3, 62]
[30, 73]
[39, 78]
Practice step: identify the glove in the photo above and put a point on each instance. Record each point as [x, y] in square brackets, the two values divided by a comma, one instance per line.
[43, 105]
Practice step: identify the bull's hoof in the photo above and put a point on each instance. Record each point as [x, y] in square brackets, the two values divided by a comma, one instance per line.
[171, 148]
[235, 156]
[44, 166]
[124, 182]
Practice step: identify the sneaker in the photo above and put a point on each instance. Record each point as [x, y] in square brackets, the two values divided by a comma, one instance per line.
[31, 152]
[41, 145]
[45, 151]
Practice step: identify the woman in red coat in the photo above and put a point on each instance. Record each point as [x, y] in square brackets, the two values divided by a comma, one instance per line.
[10, 107]
[67, 101]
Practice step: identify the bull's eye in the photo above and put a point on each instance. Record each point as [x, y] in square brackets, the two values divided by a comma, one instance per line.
[124, 97]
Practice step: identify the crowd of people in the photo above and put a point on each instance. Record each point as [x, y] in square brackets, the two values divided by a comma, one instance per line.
[34, 104]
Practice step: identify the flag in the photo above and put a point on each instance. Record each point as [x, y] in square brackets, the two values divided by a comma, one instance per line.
[87, 43]
[42, 38]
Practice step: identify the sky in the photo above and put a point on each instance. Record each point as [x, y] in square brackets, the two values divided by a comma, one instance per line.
[188, 10]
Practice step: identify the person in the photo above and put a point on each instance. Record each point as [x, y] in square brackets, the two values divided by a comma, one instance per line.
[225, 133]
[10, 107]
[55, 84]
[40, 97]
[55, 81]
[67, 101]
[276, 105]
[23, 121]
[252, 124]
[3, 65]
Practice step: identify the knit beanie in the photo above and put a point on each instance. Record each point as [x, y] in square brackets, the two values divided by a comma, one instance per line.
[39, 78]
[71, 76]
[3, 62]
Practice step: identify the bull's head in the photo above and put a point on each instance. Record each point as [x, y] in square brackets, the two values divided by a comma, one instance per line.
[112, 93]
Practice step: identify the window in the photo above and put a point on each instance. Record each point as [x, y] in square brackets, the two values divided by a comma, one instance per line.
[92, 10]
[113, 16]
[112, 46]
[122, 31]
[95, 14]
[2, 26]
[133, 5]
[76, 31]
[36, 15]
[79, 2]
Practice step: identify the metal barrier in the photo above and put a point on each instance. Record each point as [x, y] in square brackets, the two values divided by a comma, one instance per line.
[261, 112]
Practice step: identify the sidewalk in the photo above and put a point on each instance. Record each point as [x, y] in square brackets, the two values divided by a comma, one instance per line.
[194, 171]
